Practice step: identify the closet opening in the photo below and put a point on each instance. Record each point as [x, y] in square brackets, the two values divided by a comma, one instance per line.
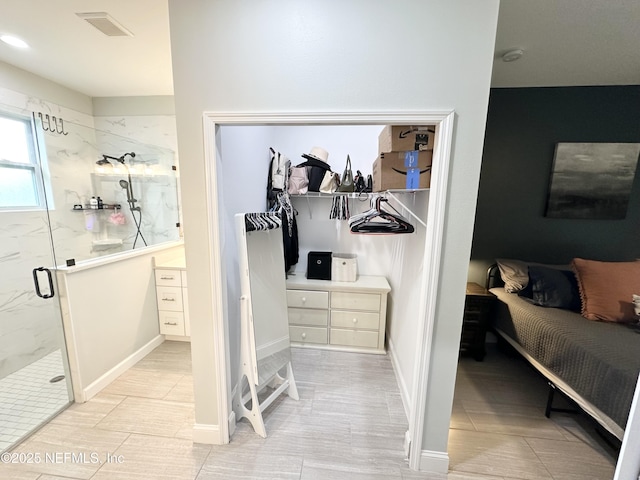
[237, 149]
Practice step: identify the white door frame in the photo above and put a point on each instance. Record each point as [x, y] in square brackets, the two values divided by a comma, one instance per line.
[433, 244]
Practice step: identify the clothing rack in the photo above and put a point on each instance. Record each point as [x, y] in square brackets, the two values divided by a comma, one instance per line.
[418, 219]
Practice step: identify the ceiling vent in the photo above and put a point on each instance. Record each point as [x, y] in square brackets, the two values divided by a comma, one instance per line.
[106, 24]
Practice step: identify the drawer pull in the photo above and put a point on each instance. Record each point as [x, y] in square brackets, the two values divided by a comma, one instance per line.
[304, 299]
[355, 320]
[304, 335]
[171, 323]
[168, 299]
[167, 278]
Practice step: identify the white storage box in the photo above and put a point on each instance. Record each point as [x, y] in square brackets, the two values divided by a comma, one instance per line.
[344, 267]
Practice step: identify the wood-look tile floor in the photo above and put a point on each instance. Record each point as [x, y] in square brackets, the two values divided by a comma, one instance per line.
[498, 428]
[348, 424]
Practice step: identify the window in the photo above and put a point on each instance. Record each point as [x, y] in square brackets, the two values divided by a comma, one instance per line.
[20, 175]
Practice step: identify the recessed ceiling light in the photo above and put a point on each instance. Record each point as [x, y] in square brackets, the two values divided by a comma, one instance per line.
[512, 55]
[14, 41]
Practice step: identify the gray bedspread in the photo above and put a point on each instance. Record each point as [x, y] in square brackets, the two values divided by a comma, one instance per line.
[599, 360]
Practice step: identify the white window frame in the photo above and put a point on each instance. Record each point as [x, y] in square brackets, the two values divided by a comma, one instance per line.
[33, 165]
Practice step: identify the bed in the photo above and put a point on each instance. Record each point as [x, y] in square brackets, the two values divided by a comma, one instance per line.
[595, 363]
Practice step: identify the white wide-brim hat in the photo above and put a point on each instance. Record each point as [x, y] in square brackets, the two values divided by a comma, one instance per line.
[317, 153]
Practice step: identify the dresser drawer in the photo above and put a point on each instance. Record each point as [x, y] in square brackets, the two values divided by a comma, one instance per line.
[355, 301]
[353, 338]
[171, 323]
[357, 320]
[308, 334]
[168, 278]
[308, 316]
[169, 298]
[307, 299]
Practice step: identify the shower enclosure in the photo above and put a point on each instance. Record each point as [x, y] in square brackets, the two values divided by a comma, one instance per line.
[48, 180]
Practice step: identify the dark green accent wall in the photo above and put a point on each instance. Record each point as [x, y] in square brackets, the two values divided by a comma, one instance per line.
[523, 127]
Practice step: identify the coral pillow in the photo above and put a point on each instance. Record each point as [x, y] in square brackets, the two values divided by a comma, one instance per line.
[607, 288]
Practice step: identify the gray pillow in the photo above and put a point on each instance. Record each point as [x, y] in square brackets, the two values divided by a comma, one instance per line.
[515, 273]
[550, 287]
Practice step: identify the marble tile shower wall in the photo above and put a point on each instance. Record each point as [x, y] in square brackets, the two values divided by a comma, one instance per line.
[159, 130]
[27, 331]
[154, 182]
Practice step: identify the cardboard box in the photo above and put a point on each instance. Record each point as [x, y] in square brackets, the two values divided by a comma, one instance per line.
[390, 171]
[400, 138]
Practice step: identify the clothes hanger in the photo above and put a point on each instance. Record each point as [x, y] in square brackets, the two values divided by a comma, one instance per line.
[378, 221]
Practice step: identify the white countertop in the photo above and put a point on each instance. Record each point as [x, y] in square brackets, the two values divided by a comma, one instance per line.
[173, 264]
[364, 282]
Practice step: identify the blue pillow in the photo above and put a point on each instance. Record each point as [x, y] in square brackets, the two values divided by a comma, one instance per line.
[549, 287]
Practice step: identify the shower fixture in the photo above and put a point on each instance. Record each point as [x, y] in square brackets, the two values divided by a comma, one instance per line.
[128, 187]
[105, 158]
[130, 200]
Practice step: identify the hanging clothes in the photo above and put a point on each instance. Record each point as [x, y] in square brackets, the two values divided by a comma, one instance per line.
[340, 208]
[283, 207]
[278, 176]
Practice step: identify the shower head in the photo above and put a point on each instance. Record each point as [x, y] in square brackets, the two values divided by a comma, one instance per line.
[105, 158]
[127, 186]
[122, 158]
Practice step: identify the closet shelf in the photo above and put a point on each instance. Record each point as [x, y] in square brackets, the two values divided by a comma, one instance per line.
[355, 194]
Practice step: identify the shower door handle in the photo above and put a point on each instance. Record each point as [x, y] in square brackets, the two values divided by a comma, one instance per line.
[36, 282]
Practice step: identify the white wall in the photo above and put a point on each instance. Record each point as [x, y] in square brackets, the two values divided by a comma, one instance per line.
[318, 56]
[31, 85]
[110, 315]
[360, 142]
[243, 165]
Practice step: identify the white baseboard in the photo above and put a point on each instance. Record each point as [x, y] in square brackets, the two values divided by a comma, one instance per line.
[207, 434]
[404, 391]
[434, 462]
[91, 390]
[177, 338]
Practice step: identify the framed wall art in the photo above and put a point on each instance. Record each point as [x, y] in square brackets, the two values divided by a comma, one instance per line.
[592, 180]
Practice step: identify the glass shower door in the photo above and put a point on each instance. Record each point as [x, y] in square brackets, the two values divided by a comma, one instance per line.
[34, 379]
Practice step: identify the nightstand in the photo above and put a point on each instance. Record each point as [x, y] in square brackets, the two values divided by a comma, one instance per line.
[477, 306]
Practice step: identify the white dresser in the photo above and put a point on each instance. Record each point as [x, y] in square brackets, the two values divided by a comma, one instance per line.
[171, 295]
[349, 316]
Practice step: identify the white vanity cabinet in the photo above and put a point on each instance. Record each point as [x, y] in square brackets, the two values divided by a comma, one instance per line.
[349, 316]
[173, 307]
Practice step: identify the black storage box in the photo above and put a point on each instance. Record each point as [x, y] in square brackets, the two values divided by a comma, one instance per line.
[319, 265]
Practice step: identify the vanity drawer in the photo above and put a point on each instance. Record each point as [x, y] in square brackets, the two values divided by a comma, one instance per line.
[168, 278]
[307, 316]
[169, 298]
[183, 275]
[308, 334]
[354, 338]
[355, 301]
[357, 320]
[307, 299]
[171, 323]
